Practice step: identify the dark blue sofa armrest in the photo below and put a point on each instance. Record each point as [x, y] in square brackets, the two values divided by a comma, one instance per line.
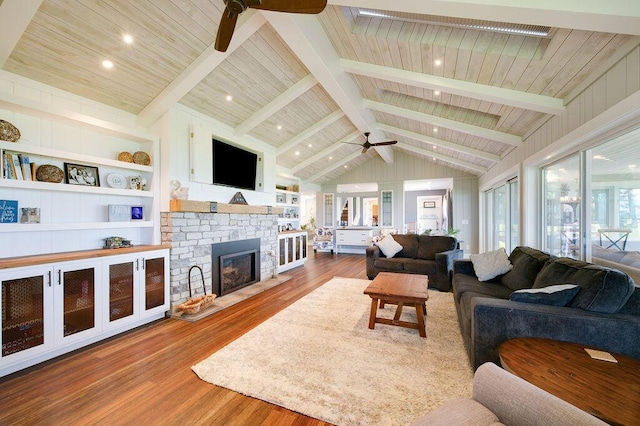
[495, 321]
[444, 268]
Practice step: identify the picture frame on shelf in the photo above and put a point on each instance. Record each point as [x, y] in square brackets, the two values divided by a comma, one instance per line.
[78, 174]
[280, 198]
[137, 213]
[29, 215]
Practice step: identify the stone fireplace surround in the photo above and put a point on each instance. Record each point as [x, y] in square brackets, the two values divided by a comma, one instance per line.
[191, 235]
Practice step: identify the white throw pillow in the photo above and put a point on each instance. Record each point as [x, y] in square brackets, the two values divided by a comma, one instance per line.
[388, 246]
[491, 264]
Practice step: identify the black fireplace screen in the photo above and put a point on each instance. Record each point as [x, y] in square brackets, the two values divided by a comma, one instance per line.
[234, 265]
[237, 270]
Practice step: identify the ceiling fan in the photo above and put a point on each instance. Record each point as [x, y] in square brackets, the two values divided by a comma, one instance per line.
[366, 145]
[234, 8]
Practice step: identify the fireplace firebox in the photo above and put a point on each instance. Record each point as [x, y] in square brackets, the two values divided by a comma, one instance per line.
[235, 265]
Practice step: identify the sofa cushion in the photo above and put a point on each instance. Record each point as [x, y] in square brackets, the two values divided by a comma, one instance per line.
[602, 289]
[420, 266]
[467, 283]
[388, 246]
[394, 264]
[409, 243]
[527, 263]
[430, 245]
[490, 264]
[555, 295]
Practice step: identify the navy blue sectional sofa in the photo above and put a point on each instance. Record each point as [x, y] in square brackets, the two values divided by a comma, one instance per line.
[604, 313]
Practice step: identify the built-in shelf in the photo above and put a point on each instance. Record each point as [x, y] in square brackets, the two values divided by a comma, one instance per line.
[38, 227]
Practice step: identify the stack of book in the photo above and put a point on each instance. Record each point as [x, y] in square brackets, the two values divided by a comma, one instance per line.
[17, 166]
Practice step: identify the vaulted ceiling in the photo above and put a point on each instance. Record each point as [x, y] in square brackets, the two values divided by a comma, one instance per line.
[442, 77]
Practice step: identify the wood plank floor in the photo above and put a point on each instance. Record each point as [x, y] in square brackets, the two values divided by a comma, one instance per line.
[145, 377]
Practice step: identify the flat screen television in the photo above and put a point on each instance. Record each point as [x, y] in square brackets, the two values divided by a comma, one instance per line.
[233, 166]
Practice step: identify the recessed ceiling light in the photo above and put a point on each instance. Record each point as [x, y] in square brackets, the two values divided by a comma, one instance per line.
[438, 62]
[297, 152]
[330, 158]
[632, 166]
[345, 166]
[436, 92]
[435, 130]
[435, 147]
[229, 98]
[107, 64]
[309, 145]
[279, 127]
[127, 38]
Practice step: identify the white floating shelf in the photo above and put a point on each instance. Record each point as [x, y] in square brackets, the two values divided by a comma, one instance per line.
[71, 226]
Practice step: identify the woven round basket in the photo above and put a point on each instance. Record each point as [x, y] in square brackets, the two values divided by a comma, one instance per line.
[9, 132]
[140, 157]
[191, 306]
[125, 156]
[49, 173]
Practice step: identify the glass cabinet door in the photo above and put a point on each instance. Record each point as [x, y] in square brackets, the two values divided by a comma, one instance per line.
[23, 312]
[282, 251]
[79, 310]
[386, 208]
[154, 282]
[121, 282]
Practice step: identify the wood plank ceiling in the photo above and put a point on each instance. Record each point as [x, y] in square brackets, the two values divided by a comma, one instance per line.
[448, 91]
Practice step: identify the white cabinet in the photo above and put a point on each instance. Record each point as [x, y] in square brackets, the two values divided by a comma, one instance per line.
[354, 240]
[292, 249]
[290, 202]
[57, 305]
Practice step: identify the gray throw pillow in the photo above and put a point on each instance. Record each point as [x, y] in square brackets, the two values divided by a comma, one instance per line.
[555, 295]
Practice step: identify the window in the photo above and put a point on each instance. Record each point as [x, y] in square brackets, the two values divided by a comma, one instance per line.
[501, 216]
[561, 228]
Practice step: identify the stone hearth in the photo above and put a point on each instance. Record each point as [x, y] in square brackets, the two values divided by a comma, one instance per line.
[191, 236]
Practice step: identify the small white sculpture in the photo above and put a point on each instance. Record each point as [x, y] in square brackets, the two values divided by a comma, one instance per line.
[179, 192]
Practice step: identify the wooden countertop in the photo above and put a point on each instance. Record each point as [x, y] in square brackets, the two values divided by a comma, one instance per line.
[39, 259]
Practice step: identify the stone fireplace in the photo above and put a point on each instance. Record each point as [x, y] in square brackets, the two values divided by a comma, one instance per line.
[192, 236]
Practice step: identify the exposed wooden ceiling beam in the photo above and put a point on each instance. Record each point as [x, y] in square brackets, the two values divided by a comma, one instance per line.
[307, 39]
[14, 19]
[308, 132]
[277, 104]
[439, 142]
[442, 157]
[248, 24]
[325, 152]
[444, 122]
[530, 101]
[613, 16]
[334, 166]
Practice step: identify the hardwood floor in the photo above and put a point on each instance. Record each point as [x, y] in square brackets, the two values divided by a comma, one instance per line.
[145, 377]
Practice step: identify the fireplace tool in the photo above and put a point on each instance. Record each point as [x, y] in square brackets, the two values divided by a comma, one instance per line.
[193, 305]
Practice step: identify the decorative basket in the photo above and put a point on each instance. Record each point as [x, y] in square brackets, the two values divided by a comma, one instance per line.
[49, 173]
[125, 156]
[140, 157]
[208, 300]
[191, 306]
[9, 132]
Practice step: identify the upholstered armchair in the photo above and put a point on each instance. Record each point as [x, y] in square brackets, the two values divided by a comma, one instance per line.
[323, 240]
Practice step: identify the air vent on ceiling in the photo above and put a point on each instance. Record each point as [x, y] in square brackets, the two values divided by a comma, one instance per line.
[500, 27]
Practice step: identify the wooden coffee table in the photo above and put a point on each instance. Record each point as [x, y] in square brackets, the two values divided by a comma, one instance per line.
[400, 289]
[607, 390]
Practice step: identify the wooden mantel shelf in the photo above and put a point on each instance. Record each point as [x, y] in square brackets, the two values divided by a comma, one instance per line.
[184, 206]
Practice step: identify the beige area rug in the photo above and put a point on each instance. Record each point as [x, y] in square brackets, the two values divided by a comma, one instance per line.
[318, 357]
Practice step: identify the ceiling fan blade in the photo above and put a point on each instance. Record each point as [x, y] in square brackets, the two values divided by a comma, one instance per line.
[352, 143]
[365, 149]
[225, 30]
[292, 6]
[384, 143]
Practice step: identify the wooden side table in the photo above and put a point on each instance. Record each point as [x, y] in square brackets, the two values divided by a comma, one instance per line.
[607, 390]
